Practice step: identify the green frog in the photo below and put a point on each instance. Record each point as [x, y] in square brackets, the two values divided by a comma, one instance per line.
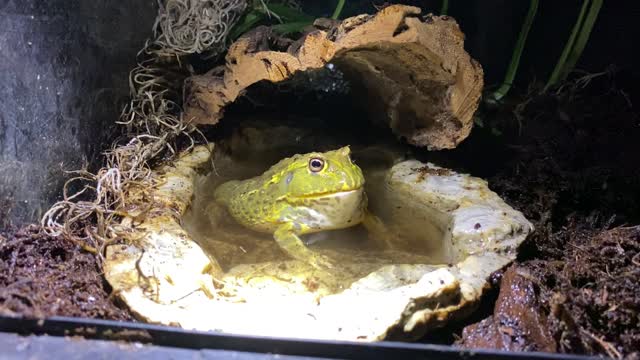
[302, 194]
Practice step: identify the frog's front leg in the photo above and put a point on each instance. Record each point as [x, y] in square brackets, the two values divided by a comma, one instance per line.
[287, 237]
[378, 232]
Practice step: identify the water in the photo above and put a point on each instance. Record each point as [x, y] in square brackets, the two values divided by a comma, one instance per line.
[249, 152]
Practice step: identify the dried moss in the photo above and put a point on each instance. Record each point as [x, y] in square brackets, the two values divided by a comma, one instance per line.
[195, 26]
[152, 125]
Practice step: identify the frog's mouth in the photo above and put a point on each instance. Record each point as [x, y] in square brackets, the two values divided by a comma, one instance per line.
[332, 194]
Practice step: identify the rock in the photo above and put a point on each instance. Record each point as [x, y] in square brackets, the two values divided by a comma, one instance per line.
[517, 323]
[169, 271]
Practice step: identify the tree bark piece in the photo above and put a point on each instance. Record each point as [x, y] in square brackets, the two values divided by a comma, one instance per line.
[410, 73]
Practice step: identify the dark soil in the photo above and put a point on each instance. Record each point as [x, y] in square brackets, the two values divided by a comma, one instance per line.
[41, 276]
[570, 163]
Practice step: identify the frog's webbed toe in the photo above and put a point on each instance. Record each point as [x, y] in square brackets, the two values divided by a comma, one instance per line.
[319, 261]
[216, 214]
[290, 242]
[378, 232]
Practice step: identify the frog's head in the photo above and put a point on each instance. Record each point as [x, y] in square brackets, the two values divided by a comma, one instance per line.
[319, 174]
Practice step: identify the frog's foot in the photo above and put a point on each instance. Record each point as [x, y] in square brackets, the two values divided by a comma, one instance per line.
[321, 262]
[290, 242]
[378, 232]
[216, 215]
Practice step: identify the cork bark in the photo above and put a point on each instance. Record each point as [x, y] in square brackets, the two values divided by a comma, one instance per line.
[408, 71]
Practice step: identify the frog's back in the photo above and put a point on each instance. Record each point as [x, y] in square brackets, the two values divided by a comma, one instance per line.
[225, 192]
[248, 202]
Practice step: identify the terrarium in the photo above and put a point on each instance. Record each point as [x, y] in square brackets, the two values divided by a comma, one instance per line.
[348, 175]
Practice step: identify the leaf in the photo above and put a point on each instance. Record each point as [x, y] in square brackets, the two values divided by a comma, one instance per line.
[293, 20]
[582, 39]
[248, 21]
[517, 52]
[560, 65]
[338, 10]
[290, 28]
[478, 121]
[289, 14]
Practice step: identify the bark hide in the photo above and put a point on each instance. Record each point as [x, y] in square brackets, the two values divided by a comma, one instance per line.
[409, 72]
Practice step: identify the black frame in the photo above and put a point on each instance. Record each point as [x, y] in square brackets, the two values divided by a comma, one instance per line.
[189, 339]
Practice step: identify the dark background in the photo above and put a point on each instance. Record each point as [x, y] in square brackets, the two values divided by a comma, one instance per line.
[492, 27]
[64, 67]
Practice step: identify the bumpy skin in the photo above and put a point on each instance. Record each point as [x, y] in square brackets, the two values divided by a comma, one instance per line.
[293, 198]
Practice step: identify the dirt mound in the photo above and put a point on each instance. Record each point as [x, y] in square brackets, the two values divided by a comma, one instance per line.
[42, 276]
[593, 295]
[590, 297]
[567, 161]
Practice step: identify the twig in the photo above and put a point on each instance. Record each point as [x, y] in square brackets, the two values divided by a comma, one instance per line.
[606, 346]
[635, 260]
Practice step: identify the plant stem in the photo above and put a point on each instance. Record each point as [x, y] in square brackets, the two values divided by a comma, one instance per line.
[517, 52]
[338, 10]
[445, 7]
[582, 39]
[560, 65]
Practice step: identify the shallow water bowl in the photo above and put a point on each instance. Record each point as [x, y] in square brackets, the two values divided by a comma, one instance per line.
[176, 268]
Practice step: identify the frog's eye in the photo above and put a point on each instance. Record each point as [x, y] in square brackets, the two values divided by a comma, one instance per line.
[316, 164]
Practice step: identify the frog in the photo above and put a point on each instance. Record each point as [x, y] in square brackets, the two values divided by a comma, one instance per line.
[302, 194]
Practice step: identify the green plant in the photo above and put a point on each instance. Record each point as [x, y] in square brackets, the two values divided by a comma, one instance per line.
[259, 12]
[445, 7]
[289, 19]
[338, 10]
[517, 53]
[576, 42]
[570, 55]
